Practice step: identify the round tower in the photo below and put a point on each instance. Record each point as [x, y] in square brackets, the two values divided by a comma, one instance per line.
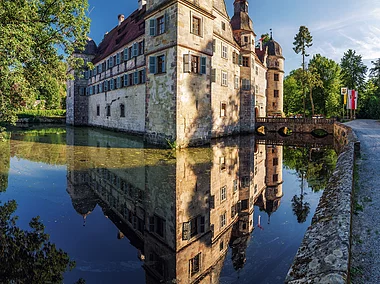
[275, 75]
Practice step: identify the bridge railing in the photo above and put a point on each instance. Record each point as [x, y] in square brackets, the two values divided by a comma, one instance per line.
[290, 120]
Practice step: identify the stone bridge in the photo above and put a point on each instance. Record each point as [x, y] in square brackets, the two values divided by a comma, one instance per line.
[295, 125]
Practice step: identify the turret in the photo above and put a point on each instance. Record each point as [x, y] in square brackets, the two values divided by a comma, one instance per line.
[275, 90]
[76, 99]
[242, 25]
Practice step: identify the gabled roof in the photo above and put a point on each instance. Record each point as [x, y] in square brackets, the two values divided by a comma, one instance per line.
[130, 29]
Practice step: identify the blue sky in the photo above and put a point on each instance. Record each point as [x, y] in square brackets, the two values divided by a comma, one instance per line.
[336, 25]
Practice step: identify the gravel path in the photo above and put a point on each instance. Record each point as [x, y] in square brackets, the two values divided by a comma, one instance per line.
[365, 264]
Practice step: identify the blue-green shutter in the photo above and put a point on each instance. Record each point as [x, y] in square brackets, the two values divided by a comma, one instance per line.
[135, 49]
[136, 78]
[152, 65]
[125, 80]
[152, 27]
[203, 65]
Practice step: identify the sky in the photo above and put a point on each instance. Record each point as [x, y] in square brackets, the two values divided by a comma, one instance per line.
[335, 25]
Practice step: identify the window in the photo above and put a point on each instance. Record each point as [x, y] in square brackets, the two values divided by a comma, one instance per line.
[245, 61]
[235, 57]
[160, 25]
[141, 47]
[157, 263]
[275, 161]
[223, 26]
[193, 227]
[222, 163]
[142, 76]
[244, 204]
[108, 110]
[224, 78]
[157, 225]
[194, 64]
[276, 93]
[245, 181]
[110, 65]
[122, 110]
[126, 54]
[222, 219]
[112, 84]
[236, 82]
[196, 26]
[117, 58]
[224, 51]
[195, 264]
[130, 79]
[276, 77]
[246, 39]
[221, 245]
[235, 186]
[161, 64]
[223, 193]
[118, 82]
[223, 109]
[81, 91]
[213, 75]
[275, 177]
[257, 70]
[157, 64]
[98, 110]
[105, 86]
[246, 84]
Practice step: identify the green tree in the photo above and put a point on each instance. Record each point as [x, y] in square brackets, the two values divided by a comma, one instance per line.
[353, 70]
[27, 256]
[313, 80]
[327, 96]
[293, 93]
[374, 72]
[303, 40]
[36, 39]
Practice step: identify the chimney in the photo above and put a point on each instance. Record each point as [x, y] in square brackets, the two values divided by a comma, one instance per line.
[120, 18]
[141, 3]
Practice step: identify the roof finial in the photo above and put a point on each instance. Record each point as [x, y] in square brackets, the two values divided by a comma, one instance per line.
[271, 34]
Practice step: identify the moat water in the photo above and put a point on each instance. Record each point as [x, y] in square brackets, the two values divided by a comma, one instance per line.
[232, 212]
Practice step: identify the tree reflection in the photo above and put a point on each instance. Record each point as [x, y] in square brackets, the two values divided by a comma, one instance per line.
[4, 164]
[312, 165]
[315, 165]
[27, 256]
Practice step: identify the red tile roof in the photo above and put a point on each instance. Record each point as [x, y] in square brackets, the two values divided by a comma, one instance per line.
[130, 29]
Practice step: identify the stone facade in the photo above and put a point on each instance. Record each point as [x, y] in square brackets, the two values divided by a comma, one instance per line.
[179, 70]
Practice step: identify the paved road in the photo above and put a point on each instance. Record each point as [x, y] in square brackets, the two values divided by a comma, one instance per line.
[365, 266]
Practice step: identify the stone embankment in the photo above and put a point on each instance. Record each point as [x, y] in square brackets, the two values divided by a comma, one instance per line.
[324, 254]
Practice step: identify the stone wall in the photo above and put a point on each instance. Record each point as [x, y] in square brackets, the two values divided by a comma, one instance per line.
[324, 254]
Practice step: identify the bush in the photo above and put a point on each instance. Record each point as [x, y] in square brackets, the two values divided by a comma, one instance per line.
[42, 113]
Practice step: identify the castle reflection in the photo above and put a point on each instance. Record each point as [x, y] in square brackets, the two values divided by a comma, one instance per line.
[180, 209]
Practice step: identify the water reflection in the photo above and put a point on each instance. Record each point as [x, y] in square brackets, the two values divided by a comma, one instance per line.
[5, 154]
[180, 213]
[188, 212]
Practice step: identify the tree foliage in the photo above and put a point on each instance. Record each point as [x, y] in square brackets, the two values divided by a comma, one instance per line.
[27, 256]
[303, 40]
[374, 72]
[36, 37]
[353, 70]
